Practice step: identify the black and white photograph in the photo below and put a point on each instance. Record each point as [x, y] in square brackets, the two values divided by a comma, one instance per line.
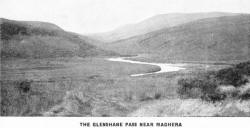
[125, 58]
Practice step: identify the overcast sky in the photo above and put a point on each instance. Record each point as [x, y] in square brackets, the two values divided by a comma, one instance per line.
[90, 16]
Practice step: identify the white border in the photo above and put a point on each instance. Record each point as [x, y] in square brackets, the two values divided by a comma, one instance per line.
[74, 122]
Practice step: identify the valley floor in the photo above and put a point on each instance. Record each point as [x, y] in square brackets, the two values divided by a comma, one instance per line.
[90, 87]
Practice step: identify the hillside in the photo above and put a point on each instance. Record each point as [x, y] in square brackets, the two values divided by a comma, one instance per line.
[30, 39]
[214, 39]
[155, 23]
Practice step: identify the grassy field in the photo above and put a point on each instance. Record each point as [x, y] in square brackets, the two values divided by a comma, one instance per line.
[77, 87]
[90, 87]
[218, 91]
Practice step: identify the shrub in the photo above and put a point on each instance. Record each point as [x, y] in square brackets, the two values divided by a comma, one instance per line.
[231, 76]
[10, 29]
[245, 96]
[148, 96]
[244, 92]
[199, 88]
[243, 68]
[228, 90]
[24, 86]
[217, 85]
[189, 88]
[157, 96]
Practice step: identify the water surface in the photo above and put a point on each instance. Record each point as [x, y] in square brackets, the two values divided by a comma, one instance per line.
[164, 67]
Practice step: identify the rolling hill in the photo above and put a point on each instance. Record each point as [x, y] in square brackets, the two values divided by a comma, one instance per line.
[214, 39]
[155, 23]
[31, 39]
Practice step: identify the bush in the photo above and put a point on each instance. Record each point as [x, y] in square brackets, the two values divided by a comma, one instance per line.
[11, 29]
[244, 92]
[231, 76]
[228, 90]
[199, 88]
[149, 96]
[216, 86]
[243, 68]
[189, 88]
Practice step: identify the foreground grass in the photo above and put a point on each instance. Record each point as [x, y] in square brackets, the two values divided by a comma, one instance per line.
[221, 91]
[193, 108]
[78, 87]
[96, 87]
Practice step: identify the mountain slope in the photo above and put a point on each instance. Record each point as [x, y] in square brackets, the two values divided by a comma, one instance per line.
[25, 39]
[215, 39]
[155, 23]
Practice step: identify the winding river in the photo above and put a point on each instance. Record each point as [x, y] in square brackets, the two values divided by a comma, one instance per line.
[164, 67]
